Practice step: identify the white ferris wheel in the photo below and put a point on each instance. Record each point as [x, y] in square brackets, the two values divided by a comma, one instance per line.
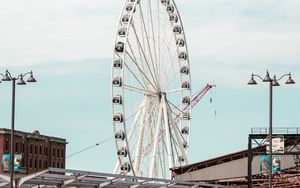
[151, 89]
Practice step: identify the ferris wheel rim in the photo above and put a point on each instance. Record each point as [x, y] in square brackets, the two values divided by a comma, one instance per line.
[135, 2]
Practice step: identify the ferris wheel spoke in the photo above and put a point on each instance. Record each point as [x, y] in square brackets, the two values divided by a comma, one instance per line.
[145, 57]
[134, 60]
[172, 69]
[166, 49]
[141, 71]
[170, 72]
[134, 76]
[135, 109]
[162, 50]
[158, 38]
[166, 68]
[175, 107]
[153, 38]
[138, 90]
[175, 90]
[170, 78]
[147, 40]
[168, 82]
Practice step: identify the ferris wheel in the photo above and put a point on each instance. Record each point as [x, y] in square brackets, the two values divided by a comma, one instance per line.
[151, 89]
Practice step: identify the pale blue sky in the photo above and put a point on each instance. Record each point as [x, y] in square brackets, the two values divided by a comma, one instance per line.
[68, 44]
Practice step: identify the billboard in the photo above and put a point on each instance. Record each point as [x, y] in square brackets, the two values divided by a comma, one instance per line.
[5, 164]
[277, 145]
[264, 163]
[276, 164]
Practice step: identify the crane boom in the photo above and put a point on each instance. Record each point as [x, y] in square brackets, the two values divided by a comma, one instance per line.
[197, 97]
[195, 100]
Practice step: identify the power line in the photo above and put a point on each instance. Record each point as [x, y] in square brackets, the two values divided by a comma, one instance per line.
[90, 147]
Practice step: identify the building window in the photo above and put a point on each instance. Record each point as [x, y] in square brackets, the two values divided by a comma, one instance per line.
[46, 150]
[23, 147]
[35, 163]
[53, 164]
[57, 165]
[62, 152]
[31, 148]
[41, 150]
[6, 144]
[45, 164]
[57, 154]
[30, 163]
[53, 152]
[40, 164]
[17, 147]
[62, 165]
[35, 149]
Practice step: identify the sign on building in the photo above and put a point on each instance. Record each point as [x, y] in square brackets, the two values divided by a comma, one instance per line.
[18, 158]
[264, 164]
[276, 164]
[277, 145]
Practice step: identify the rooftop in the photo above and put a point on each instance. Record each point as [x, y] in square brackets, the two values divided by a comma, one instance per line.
[34, 135]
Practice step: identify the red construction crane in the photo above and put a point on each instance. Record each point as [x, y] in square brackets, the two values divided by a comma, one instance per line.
[198, 96]
[195, 99]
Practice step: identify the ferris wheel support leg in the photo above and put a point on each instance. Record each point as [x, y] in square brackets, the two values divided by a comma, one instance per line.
[155, 144]
[133, 126]
[168, 134]
[117, 167]
[178, 137]
[137, 159]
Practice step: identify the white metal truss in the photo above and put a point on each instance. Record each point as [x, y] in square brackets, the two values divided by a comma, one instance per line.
[57, 178]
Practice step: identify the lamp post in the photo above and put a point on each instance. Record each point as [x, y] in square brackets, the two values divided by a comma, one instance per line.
[272, 82]
[20, 81]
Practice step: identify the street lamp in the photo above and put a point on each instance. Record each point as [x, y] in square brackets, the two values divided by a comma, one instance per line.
[272, 82]
[20, 81]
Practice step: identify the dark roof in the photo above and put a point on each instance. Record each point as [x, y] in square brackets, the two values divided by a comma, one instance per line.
[34, 135]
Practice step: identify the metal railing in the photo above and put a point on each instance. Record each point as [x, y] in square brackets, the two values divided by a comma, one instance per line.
[276, 130]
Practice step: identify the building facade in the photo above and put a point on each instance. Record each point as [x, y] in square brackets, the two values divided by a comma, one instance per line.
[38, 151]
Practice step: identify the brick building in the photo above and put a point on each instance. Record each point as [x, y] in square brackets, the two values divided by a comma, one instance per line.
[39, 151]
